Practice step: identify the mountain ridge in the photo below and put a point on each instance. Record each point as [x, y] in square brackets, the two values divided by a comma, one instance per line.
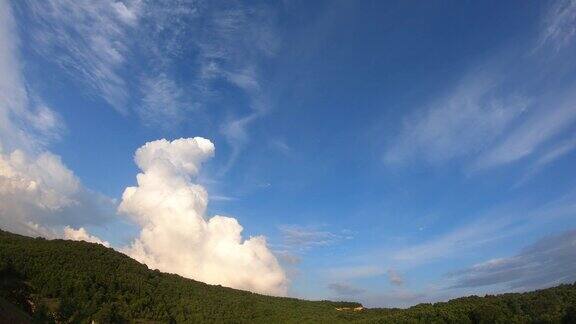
[75, 281]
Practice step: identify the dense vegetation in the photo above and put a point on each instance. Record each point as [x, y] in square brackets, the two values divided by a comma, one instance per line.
[66, 281]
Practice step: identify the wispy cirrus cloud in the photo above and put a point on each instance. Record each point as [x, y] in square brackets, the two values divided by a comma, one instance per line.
[489, 119]
[549, 120]
[559, 25]
[94, 43]
[460, 124]
[25, 121]
[88, 40]
[38, 193]
[548, 262]
[234, 45]
[302, 238]
[355, 272]
[163, 104]
[451, 243]
[548, 157]
[488, 227]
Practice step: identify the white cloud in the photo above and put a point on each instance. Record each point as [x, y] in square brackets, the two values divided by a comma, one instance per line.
[548, 121]
[232, 46]
[306, 237]
[460, 124]
[453, 242]
[43, 181]
[488, 227]
[88, 39]
[548, 262]
[494, 121]
[282, 147]
[176, 235]
[82, 235]
[38, 193]
[556, 153]
[162, 104]
[355, 272]
[94, 43]
[127, 14]
[548, 157]
[24, 122]
[27, 184]
[559, 25]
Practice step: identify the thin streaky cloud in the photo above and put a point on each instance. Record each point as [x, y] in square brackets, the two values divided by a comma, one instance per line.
[460, 124]
[549, 120]
[306, 237]
[355, 272]
[559, 25]
[548, 262]
[489, 122]
[88, 40]
[557, 152]
[488, 227]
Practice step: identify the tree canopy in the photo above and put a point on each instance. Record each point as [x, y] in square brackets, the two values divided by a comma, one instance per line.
[68, 281]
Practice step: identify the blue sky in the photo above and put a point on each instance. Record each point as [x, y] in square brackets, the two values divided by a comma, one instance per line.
[390, 153]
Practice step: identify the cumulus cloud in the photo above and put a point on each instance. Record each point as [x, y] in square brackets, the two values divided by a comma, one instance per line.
[82, 235]
[548, 262]
[176, 235]
[27, 184]
[38, 193]
[44, 181]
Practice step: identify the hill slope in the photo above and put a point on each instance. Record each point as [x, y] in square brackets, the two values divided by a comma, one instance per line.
[71, 281]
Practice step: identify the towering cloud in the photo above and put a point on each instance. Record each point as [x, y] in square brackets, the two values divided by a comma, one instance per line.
[176, 236]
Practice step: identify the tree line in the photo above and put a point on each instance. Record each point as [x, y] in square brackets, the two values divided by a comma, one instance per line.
[59, 281]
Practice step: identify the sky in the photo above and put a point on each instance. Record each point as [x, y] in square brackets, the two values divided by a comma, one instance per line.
[390, 153]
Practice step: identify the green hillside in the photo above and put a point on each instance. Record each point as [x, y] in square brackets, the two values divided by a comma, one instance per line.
[67, 281]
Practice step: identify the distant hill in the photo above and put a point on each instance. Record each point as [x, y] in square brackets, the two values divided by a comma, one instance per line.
[47, 281]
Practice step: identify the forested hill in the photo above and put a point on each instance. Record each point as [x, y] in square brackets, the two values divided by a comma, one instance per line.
[66, 281]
